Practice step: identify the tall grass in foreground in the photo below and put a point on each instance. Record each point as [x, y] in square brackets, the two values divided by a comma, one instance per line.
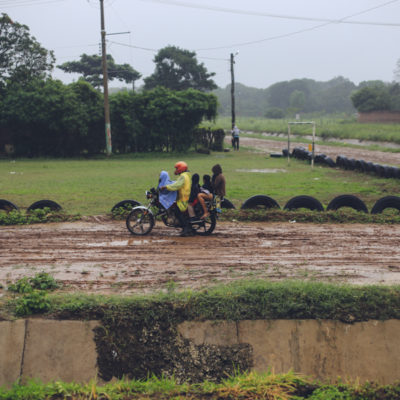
[326, 127]
[250, 385]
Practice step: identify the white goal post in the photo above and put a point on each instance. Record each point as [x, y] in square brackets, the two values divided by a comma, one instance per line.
[313, 139]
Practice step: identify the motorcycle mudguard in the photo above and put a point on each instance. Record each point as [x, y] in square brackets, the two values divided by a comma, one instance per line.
[143, 208]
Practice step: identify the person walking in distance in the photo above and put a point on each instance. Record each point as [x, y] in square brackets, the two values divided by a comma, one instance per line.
[235, 137]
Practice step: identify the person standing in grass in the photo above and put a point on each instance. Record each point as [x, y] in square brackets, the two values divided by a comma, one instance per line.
[235, 137]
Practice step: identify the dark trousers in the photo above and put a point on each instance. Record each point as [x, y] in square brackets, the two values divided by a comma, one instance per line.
[235, 143]
[182, 218]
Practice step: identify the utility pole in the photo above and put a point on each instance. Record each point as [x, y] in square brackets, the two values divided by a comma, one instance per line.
[105, 82]
[233, 91]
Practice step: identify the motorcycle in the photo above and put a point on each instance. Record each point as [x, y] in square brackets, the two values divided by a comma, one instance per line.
[141, 220]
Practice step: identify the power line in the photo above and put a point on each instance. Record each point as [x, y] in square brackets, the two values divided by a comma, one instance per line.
[24, 3]
[298, 31]
[281, 16]
[132, 46]
[156, 51]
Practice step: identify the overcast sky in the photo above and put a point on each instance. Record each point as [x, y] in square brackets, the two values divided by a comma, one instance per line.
[277, 40]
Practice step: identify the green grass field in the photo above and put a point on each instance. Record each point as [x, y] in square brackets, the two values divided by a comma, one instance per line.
[326, 127]
[91, 187]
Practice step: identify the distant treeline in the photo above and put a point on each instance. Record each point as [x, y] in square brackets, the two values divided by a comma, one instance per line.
[288, 97]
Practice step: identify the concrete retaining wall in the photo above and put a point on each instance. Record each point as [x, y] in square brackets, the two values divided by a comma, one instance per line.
[47, 350]
[66, 350]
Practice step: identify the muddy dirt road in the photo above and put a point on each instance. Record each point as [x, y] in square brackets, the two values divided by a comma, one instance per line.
[102, 256]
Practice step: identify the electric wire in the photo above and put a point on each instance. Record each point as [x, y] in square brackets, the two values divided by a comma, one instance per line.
[281, 16]
[296, 32]
[25, 3]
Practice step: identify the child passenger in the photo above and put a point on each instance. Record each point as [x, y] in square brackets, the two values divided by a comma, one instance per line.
[195, 189]
[167, 198]
[206, 193]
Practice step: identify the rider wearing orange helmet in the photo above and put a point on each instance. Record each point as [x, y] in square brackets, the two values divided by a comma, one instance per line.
[183, 185]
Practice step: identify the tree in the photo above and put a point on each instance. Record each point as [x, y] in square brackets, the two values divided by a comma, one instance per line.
[275, 113]
[90, 67]
[48, 118]
[169, 118]
[372, 98]
[178, 69]
[297, 100]
[397, 71]
[22, 58]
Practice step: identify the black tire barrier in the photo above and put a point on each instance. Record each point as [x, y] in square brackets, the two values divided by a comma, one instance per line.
[347, 200]
[329, 162]
[260, 201]
[300, 153]
[340, 161]
[346, 163]
[391, 172]
[360, 165]
[304, 201]
[386, 202]
[127, 204]
[285, 152]
[225, 203]
[44, 204]
[380, 170]
[319, 159]
[7, 206]
[351, 164]
[369, 166]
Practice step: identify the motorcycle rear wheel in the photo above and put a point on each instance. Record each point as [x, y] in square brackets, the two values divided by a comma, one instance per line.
[140, 222]
[205, 227]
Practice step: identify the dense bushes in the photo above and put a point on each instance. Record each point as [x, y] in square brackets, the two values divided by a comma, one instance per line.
[48, 118]
[377, 97]
[211, 139]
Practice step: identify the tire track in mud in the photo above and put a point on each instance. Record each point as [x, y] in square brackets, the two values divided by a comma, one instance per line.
[104, 257]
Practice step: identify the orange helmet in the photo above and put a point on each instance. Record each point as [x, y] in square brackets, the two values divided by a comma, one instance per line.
[180, 167]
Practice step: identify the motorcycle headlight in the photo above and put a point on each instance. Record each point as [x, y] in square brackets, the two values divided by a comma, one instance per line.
[149, 195]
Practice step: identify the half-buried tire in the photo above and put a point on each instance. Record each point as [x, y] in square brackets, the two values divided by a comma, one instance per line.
[304, 201]
[260, 201]
[386, 202]
[225, 203]
[44, 204]
[7, 206]
[126, 204]
[347, 200]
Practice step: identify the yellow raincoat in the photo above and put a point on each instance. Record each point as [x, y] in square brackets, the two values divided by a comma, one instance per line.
[183, 185]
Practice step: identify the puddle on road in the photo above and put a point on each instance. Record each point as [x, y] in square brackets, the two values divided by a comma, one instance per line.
[123, 243]
[263, 171]
[266, 243]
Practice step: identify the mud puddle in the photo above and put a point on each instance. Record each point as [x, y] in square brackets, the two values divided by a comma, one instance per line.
[105, 258]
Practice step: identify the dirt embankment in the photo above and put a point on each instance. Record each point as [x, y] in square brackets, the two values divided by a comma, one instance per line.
[103, 256]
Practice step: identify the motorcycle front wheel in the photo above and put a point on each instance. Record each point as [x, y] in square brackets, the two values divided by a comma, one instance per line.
[140, 221]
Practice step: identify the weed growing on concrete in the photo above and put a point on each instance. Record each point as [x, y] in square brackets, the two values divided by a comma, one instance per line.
[250, 385]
